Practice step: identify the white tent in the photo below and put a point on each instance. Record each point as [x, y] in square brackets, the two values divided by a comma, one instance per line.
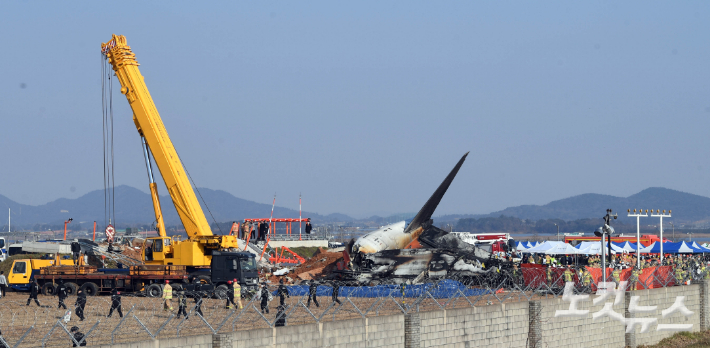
[521, 246]
[591, 248]
[562, 249]
[542, 248]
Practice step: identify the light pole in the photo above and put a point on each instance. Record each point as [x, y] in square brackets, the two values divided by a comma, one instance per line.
[558, 231]
[661, 215]
[603, 232]
[673, 227]
[638, 234]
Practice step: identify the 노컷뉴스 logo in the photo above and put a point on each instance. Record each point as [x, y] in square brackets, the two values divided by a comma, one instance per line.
[607, 289]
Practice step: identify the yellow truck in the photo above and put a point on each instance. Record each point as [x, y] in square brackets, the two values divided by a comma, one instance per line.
[24, 270]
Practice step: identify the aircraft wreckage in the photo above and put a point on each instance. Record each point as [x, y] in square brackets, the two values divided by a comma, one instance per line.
[415, 250]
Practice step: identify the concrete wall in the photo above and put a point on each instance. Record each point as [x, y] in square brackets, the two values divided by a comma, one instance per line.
[664, 298]
[503, 325]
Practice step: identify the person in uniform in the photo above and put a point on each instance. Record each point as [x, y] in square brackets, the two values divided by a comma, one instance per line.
[634, 279]
[237, 293]
[167, 296]
[61, 293]
[336, 291]
[283, 292]
[569, 275]
[80, 304]
[182, 304]
[34, 290]
[230, 296]
[115, 303]
[78, 336]
[264, 299]
[312, 290]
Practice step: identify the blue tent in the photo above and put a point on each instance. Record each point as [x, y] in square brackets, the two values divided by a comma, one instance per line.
[701, 249]
[444, 289]
[669, 248]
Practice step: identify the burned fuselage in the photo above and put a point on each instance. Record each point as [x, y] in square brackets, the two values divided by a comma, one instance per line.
[443, 255]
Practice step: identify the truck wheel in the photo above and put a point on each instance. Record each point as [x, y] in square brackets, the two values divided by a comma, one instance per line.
[48, 289]
[90, 289]
[204, 279]
[154, 291]
[220, 292]
[71, 288]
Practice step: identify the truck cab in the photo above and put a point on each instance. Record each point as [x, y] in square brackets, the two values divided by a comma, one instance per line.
[227, 266]
[24, 270]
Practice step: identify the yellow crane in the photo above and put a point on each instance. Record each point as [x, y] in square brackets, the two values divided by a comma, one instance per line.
[196, 250]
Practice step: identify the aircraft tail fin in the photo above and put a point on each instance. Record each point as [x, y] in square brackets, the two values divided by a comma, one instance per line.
[424, 215]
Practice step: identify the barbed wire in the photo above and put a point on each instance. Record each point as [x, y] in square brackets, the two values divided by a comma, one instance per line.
[145, 318]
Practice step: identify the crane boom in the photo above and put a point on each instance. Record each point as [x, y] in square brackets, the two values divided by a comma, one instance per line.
[150, 126]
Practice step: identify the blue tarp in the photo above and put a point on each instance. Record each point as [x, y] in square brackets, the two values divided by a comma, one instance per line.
[444, 289]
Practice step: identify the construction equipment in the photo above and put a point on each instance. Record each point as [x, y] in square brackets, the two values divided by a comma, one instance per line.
[196, 251]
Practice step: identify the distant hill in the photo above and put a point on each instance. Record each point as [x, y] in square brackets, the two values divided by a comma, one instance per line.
[134, 206]
[686, 207]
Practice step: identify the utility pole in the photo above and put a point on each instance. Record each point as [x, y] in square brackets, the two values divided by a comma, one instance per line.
[602, 232]
[558, 231]
[638, 233]
[673, 227]
[658, 214]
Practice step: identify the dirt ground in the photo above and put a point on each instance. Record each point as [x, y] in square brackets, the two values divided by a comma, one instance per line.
[684, 340]
[16, 318]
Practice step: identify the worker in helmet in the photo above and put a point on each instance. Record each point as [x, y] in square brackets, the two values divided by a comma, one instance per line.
[230, 296]
[167, 296]
[237, 292]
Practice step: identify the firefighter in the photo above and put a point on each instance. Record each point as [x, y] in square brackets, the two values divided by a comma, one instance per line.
[230, 296]
[182, 304]
[115, 303]
[616, 276]
[679, 274]
[283, 292]
[569, 275]
[587, 280]
[312, 289]
[80, 304]
[61, 293]
[238, 293]
[167, 296]
[265, 299]
[634, 278]
[336, 291]
[549, 275]
[34, 290]
[516, 274]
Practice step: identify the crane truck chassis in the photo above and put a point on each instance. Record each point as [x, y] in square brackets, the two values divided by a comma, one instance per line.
[146, 279]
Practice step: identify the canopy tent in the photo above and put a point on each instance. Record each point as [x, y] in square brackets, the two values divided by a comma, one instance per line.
[591, 248]
[562, 249]
[626, 246]
[669, 248]
[520, 246]
[701, 248]
[541, 248]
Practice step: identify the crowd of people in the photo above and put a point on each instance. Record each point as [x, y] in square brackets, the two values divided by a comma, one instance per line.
[683, 267]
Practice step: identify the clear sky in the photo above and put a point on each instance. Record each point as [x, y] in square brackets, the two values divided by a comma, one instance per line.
[364, 107]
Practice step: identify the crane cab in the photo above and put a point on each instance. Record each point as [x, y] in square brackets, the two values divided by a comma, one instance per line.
[158, 249]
